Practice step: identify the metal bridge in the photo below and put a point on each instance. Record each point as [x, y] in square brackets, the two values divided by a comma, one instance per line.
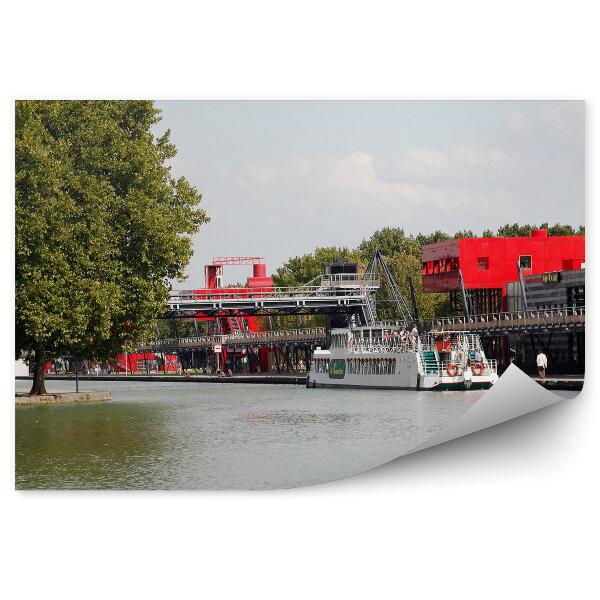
[336, 294]
[308, 336]
[565, 320]
[558, 320]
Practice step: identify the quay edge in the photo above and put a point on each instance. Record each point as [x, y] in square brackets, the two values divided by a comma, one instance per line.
[59, 398]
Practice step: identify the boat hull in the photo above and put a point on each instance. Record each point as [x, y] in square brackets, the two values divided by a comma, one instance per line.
[439, 387]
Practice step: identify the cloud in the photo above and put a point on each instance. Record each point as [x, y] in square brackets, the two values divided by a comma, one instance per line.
[456, 163]
[443, 180]
[560, 123]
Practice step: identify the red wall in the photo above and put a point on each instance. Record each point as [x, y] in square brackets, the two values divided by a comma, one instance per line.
[132, 362]
[548, 253]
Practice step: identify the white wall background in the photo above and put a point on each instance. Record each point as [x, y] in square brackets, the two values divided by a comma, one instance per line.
[506, 513]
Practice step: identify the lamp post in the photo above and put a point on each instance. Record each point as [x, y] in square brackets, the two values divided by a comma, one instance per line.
[77, 375]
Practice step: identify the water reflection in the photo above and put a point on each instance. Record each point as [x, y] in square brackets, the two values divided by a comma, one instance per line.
[183, 436]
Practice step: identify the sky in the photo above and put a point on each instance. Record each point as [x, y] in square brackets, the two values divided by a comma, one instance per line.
[280, 178]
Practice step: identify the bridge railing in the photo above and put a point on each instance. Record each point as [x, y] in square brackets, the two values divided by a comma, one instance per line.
[348, 279]
[240, 337]
[564, 314]
[182, 296]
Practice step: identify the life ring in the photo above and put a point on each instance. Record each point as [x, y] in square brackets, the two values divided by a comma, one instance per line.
[452, 370]
[478, 368]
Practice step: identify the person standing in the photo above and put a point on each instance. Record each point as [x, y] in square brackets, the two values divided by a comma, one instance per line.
[542, 364]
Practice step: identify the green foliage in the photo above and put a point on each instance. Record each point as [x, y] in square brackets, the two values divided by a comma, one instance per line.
[402, 267]
[558, 229]
[464, 233]
[299, 270]
[389, 241]
[302, 269]
[514, 230]
[100, 225]
[431, 238]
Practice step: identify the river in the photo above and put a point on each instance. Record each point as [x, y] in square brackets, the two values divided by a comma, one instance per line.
[221, 435]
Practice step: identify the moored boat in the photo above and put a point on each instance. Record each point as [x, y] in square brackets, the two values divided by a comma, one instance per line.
[388, 356]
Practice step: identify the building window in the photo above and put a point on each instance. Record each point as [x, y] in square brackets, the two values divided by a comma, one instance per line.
[483, 263]
[525, 262]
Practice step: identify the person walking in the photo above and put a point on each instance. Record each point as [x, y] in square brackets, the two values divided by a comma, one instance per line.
[542, 364]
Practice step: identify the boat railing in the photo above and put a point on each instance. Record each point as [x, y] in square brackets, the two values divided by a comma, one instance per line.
[383, 346]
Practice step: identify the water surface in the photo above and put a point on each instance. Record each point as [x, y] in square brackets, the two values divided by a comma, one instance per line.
[210, 435]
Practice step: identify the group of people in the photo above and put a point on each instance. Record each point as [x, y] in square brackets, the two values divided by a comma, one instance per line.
[299, 366]
[405, 335]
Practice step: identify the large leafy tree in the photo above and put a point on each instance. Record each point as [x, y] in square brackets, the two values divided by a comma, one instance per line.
[101, 227]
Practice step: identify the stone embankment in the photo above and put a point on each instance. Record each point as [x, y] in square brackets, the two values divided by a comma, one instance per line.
[237, 378]
[56, 398]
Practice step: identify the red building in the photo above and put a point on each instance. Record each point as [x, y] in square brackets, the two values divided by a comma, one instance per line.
[142, 362]
[487, 265]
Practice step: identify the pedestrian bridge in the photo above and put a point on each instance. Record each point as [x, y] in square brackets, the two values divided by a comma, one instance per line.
[342, 295]
[308, 336]
[565, 320]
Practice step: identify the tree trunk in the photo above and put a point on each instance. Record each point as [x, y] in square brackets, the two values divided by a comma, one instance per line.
[39, 385]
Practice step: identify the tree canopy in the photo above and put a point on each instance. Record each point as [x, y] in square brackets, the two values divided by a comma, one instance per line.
[299, 270]
[101, 226]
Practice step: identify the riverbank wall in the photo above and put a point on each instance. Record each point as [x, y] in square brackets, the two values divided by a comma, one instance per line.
[572, 384]
[258, 378]
[551, 383]
[53, 399]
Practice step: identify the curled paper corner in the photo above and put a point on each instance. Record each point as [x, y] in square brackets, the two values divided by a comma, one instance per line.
[515, 394]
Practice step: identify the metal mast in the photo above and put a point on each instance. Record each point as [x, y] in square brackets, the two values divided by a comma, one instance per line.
[397, 295]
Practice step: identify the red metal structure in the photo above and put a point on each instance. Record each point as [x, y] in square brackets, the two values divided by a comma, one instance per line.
[138, 362]
[488, 264]
[257, 283]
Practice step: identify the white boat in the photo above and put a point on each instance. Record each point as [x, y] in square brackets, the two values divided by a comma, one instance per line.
[387, 356]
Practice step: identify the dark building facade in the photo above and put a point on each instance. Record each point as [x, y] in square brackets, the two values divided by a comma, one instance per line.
[552, 290]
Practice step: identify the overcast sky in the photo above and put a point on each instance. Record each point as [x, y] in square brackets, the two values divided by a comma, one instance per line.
[279, 178]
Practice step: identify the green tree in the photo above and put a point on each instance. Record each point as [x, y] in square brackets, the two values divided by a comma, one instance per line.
[390, 240]
[101, 226]
[302, 269]
[558, 229]
[431, 238]
[514, 230]
[402, 267]
[464, 233]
